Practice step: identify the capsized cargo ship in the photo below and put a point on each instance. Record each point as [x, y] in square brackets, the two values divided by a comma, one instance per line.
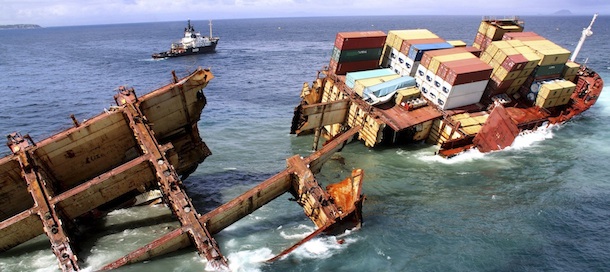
[192, 43]
[412, 85]
[140, 151]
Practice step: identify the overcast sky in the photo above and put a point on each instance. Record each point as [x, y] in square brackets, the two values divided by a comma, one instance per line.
[87, 12]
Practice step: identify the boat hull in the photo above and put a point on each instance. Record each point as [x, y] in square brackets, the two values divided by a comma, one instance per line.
[189, 51]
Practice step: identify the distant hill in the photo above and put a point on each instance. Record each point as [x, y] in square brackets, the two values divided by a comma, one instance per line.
[563, 12]
[20, 26]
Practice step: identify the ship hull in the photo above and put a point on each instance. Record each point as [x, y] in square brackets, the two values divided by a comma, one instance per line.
[188, 52]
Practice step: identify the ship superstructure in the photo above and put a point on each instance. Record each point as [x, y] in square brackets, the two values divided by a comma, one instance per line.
[191, 43]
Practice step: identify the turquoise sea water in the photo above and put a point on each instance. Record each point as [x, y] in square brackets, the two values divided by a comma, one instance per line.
[543, 204]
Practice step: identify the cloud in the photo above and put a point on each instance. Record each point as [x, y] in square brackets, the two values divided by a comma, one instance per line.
[73, 12]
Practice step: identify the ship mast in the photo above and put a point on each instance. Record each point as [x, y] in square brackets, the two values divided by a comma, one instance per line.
[210, 29]
[585, 33]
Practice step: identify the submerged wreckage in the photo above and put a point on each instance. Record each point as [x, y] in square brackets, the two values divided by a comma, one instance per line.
[143, 144]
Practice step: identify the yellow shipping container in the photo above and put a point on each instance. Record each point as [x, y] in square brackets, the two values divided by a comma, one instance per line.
[481, 119]
[486, 57]
[550, 90]
[361, 84]
[544, 102]
[570, 69]
[422, 131]
[472, 130]
[512, 89]
[553, 56]
[460, 116]
[408, 93]
[568, 87]
[502, 74]
[515, 43]
[570, 78]
[436, 61]
[562, 100]
[415, 34]
[500, 55]
[483, 27]
[526, 72]
[457, 43]
[518, 81]
[510, 51]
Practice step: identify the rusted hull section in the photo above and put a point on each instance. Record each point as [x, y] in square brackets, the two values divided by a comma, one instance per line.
[141, 144]
[337, 208]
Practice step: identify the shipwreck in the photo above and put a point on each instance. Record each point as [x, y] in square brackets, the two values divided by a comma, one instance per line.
[411, 86]
[145, 144]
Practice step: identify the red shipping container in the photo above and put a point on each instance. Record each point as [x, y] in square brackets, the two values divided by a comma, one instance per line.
[514, 62]
[468, 73]
[479, 38]
[444, 68]
[406, 44]
[360, 40]
[340, 68]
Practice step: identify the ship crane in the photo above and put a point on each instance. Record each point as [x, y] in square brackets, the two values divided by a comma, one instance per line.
[585, 33]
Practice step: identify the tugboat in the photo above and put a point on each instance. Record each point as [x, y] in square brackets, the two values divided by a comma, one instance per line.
[192, 43]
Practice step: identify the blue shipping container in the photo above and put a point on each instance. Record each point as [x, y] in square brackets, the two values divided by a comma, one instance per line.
[417, 50]
[385, 88]
[351, 77]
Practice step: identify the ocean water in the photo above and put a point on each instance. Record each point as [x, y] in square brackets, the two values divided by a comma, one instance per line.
[542, 204]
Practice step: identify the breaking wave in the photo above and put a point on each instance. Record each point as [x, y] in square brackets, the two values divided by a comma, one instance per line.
[249, 260]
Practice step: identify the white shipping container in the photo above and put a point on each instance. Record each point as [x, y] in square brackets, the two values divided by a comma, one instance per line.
[421, 72]
[439, 83]
[412, 67]
[430, 77]
[463, 89]
[418, 82]
[394, 53]
[425, 90]
[447, 103]
[402, 59]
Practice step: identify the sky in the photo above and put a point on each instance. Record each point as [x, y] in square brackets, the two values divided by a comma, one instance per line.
[48, 13]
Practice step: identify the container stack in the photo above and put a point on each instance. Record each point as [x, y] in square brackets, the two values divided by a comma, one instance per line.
[570, 70]
[404, 49]
[512, 62]
[494, 30]
[351, 77]
[361, 85]
[452, 78]
[552, 93]
[552, 67]
[356, 51]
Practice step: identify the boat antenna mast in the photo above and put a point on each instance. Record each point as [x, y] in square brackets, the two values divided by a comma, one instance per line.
[211, 29]
[585, 33]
